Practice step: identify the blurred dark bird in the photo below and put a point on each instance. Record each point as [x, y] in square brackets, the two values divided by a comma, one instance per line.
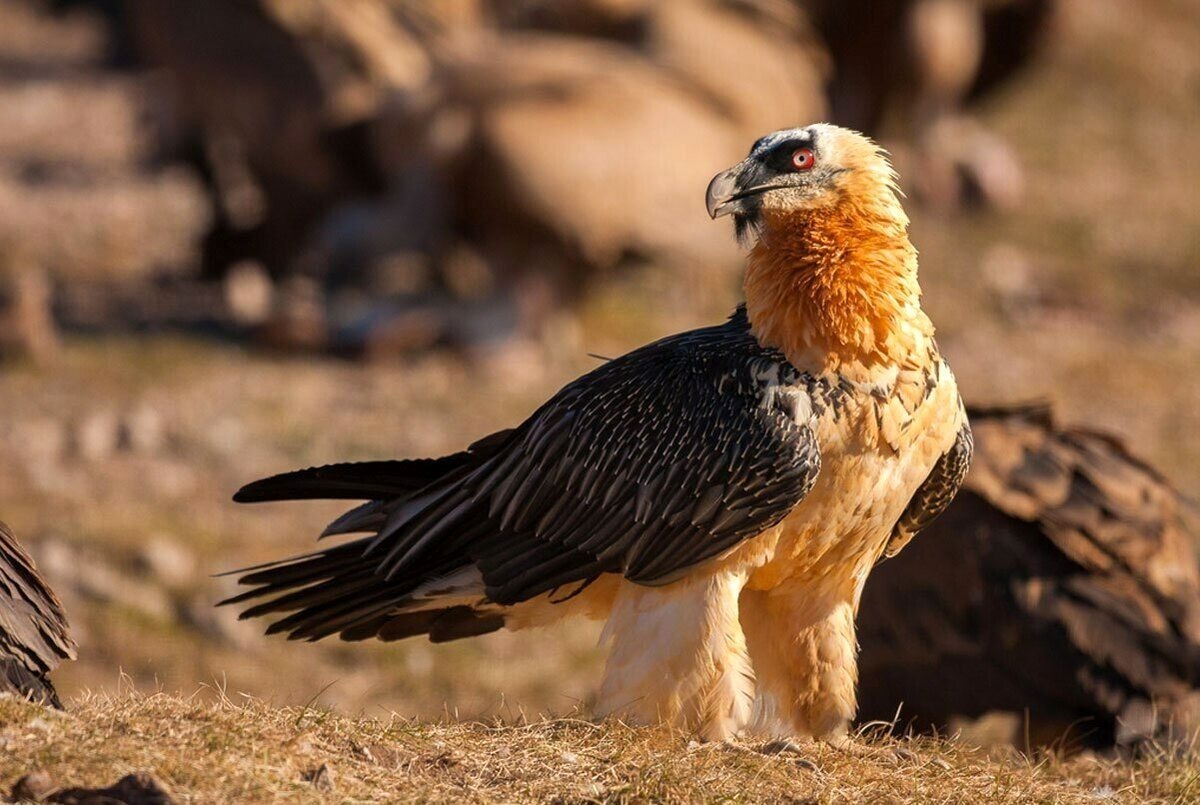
[1075, 596]
[718, 496]
[34, 637]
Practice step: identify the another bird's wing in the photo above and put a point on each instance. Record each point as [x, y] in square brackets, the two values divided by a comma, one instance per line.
[34, 637]
[936, 492]
[1076, 593]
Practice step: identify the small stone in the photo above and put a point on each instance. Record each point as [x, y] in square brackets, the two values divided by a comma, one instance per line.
[249, 293]
[99, 581]
[167, 561]
[940, 763]
[34, 787]
[570, 757]
[142, 430]
[321, 777]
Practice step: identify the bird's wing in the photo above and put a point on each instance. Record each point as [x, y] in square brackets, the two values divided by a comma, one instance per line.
[647, 466]
[935, 493]
[33, 627]
[1076, 587]
[1118, 526]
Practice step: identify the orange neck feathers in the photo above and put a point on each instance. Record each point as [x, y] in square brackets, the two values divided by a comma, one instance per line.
[835, 287]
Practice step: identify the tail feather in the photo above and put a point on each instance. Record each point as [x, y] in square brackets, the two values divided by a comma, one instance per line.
[367, 480]
[339, 591]
[315, 595]
[345, 590]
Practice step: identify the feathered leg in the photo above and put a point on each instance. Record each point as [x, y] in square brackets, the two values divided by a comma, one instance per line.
[679, 656]
[806, 665]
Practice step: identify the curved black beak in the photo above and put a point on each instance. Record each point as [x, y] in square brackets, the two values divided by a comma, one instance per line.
[722, 196]
[729, 189]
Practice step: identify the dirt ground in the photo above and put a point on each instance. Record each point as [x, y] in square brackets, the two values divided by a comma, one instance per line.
[119, 459]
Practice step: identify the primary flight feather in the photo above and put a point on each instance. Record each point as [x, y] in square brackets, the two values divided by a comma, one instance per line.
[718, 497]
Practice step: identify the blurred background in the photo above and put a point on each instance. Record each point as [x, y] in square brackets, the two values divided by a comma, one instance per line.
[243, 236]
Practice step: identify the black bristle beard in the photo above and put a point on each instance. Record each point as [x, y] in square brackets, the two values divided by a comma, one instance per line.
[746, 227]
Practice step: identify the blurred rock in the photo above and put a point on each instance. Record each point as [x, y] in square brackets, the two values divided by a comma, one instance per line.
[945, 45]
[608, 19]
[220, 624]
[759, 63]
[167, 561]
[910, 69]
[416, 160]
[142, 430]
[298, 320]
[321, 778]
[27, 328]
[92, 123]
[141, 788]
[1009, 273]
[92, 577]
[96, 436]
[249, 294]
[39, 440]
[992, 173]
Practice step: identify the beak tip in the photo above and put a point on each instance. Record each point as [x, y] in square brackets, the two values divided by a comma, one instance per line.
[719, 198]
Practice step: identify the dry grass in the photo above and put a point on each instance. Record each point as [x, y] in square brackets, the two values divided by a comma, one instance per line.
[222, 751]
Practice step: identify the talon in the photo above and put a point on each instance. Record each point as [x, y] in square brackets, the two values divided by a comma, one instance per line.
[780, 746]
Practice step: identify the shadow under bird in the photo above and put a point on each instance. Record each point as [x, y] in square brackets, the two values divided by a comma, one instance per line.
[718, 497]
[1075, 604]
[34, 637]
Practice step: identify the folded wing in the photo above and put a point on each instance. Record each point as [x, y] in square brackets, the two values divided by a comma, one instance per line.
[648, 466]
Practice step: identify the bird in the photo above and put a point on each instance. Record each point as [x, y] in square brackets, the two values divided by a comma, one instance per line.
[717, 497]
[34, 635]
[1076, 600]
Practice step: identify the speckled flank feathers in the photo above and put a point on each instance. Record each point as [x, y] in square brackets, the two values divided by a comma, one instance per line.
[719, 496]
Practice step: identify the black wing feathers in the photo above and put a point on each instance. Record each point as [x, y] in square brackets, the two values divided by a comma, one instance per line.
[679, 427]
[937, 491]
[647, 466]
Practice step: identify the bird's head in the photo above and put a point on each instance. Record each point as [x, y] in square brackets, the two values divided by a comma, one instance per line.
[802, 171]
[832, 276]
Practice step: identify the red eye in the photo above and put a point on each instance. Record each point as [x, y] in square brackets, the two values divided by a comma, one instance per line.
[803, 159]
